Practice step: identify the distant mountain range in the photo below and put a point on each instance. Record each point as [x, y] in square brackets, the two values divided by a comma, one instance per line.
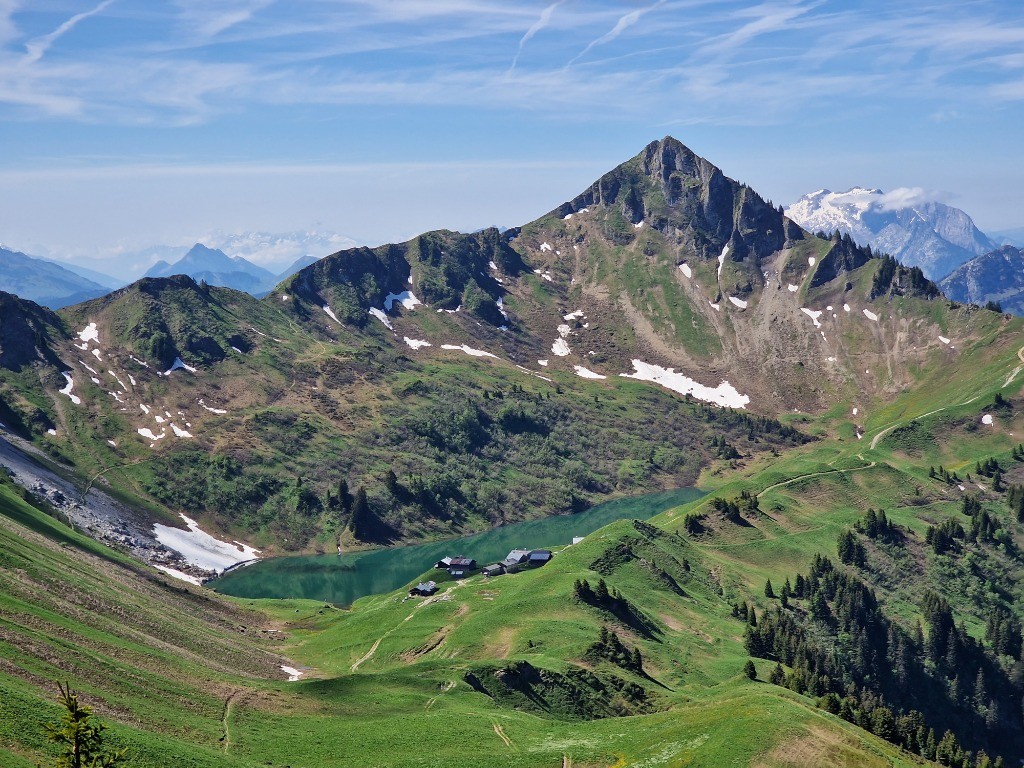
[45, 282]
[933, 236]
[217, 268]
[997, 276]
[222, 260]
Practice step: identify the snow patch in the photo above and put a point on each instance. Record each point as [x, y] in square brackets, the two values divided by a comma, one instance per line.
[567, 217]
[111, 443]
[846, 307]
[148, 434]
[238, 350]
[870, 315]
[132, 380]
[738, 302]
[406, 298]
[685, 269]
[94, 380]
[285, 297]
[417, 343]
[89, 333]
[52, 432]
[292, 672]
[205, 407]
[573, 315]
[986, 419]
[724, 394]
[96, 354]
[67, 389]
[143, 363]
[179, 432]
[586, 373]
[545, 247]
[469, 350]
[179, 574]
[721, 260]
[159, 419]
[379, 314]
[638, 225]
[560, 348]
[811, 260]
[716, 307]
[854, 411]
[178, 364]
[89, 368]
[793, 288]
[943, 339]
[201, 549]
[330, 314]
[814, 314]
[543, 363]
[563, 330]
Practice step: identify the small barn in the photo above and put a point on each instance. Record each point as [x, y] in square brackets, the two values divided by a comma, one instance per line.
[539, 557]
[424, 589]
[495, 569]
[444, 563]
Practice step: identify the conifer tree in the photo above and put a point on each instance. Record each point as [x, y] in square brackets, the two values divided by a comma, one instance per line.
[80, 736]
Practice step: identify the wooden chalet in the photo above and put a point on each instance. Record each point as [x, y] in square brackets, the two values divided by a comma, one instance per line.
[424, 589]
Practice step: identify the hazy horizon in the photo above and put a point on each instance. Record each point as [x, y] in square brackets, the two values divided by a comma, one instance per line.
[128, 125]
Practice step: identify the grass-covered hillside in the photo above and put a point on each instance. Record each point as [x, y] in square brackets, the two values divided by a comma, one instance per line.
[891, 634]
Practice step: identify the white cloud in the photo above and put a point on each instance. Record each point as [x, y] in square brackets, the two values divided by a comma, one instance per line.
[907, 197]
[625, 22]
[537, 26]
[8, 29]
[37, 48]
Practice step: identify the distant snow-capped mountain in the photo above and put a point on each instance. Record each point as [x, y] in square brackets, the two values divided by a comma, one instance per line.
[919, 232]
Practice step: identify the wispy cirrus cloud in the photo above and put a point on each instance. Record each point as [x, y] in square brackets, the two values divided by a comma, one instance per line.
[537, 26]
[193, 61]
[37, 48]
[625, 22]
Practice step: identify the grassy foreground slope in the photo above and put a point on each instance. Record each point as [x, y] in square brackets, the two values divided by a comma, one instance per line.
[187, 678]
[159, 659]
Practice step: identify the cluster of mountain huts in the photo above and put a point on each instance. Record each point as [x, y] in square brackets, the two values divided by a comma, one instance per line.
[460, 567]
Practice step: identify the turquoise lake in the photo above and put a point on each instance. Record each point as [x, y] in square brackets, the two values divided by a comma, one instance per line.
[343, 579]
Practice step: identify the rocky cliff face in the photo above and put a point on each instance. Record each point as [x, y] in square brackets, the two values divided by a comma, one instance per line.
[27, 332]
[934, 236]
[997, 276]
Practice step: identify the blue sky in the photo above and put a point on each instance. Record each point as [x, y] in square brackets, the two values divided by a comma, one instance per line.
[127, 123]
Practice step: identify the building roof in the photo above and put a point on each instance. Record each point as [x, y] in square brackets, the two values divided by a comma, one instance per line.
[426, 586]
[518, 555]
[542, 555]
[464, 562]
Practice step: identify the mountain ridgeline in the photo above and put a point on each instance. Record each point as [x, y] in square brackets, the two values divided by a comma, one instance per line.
[465, 380]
